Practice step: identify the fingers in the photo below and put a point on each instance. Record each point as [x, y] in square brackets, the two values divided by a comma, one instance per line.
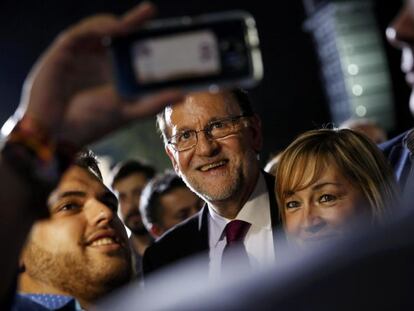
[136, 17]
[98, 111]
[98, 27]
[61, 93]
[102, 24]
[152, 104]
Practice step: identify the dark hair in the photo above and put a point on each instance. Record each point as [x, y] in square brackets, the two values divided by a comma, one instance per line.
[241, 97]
[87, 159]
[150, 206]
[129, 167]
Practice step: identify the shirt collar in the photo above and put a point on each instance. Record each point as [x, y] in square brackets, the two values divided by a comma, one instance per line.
[54, 302]
[255, 211]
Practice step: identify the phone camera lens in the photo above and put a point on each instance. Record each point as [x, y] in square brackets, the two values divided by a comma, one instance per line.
[231, 45]
[233, 52]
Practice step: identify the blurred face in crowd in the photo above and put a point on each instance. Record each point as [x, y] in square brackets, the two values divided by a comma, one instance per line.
[400, 34]
[177, 205]
[219, 170]
[373, 132]
[322, 210]
[129, 191]
[82, 249]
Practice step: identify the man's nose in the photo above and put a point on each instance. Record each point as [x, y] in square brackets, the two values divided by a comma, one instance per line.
[206, 146]
[98, 213]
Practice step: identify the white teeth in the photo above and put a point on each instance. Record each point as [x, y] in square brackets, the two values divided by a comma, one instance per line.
[103, 241]
[207, 167]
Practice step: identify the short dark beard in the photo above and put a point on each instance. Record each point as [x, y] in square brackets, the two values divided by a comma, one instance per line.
[139, 231]
[78, 277]
[136, 230]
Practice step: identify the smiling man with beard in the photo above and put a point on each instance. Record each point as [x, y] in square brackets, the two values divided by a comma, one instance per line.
[81, 253]
[61, 110]
[212, 140]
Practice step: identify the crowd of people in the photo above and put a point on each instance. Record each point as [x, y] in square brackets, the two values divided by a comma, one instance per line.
[67, 246]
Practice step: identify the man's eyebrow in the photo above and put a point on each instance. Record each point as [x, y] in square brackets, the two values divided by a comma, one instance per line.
[214, 119]
[66, 194]
[211, 120]
[177, 130]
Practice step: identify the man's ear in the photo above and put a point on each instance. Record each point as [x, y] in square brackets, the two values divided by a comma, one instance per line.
[256, 131]
[170, 152]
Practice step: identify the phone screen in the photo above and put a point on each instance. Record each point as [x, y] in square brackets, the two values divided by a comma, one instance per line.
[162, 59]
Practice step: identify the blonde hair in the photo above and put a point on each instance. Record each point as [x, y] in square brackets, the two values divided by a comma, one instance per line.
[356, 157]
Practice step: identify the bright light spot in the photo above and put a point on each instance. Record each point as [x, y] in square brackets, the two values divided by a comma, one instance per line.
[357, 90]
[361, 111]
[391, 33]
[7, 127]
[353, 69]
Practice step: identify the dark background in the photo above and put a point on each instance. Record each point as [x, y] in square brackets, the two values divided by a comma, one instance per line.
[290, 99]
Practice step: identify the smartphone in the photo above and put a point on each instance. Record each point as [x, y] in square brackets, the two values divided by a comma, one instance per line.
[212, 51]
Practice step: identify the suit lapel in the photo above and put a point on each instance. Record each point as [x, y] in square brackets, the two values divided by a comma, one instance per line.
[279, 237]
[402, 165]
[274, 211]
[398, 156]
[203, 227]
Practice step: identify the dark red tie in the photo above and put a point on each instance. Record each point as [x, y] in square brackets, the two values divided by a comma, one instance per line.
[234, 253]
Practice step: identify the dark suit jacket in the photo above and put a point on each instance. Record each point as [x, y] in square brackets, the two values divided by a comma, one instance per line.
[398, 156]
[191, 236]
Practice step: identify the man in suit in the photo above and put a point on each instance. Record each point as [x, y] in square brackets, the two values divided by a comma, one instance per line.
[400, 34]
[212, 140]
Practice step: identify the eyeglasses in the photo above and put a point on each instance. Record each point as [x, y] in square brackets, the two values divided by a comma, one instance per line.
[214, 130]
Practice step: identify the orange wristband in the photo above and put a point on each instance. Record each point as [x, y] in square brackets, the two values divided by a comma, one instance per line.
[29, 132]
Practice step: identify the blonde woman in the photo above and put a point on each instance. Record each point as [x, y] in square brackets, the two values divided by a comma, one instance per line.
[328, 178]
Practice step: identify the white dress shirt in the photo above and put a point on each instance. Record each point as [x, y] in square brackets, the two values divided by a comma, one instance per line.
[258, 240]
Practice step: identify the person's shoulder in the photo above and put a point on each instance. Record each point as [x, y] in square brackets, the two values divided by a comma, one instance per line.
[183, 240]
[396, 141]
[176, 234]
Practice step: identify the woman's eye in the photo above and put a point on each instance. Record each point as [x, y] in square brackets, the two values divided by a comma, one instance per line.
[292, 204]
[327, 198]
